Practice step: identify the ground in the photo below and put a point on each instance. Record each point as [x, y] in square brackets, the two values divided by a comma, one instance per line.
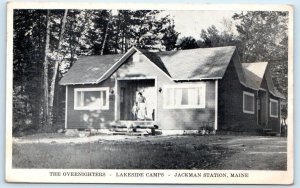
[217, 152]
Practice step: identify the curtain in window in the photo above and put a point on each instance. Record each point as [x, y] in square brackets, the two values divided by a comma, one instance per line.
[185, 97]
[178, 96]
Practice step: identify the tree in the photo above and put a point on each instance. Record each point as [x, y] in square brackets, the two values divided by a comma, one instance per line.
[212, 37]
[187, 43]
[170, 36]
[28, 57]
[45, 72]
[56, 68]
[264, 38]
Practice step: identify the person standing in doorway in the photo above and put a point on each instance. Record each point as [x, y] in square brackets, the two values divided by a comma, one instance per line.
[142, 110]
[135, 110]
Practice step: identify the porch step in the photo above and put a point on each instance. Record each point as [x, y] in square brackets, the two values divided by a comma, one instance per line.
[266, 130]
[133, 128]
[119, 129]
[118, 126]
[130, 133]
[271, 133]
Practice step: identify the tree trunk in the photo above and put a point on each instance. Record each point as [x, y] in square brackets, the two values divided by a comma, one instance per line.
[106, 33]
[45, 72]
[55, 70]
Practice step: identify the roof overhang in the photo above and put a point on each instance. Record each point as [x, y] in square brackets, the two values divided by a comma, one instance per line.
[196, 79]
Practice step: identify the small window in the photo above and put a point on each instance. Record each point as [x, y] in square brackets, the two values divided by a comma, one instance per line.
[248, 102]
[273, 108]
[184, 96]
[91, 98]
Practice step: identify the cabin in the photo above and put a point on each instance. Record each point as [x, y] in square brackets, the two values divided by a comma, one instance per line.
[175, 91]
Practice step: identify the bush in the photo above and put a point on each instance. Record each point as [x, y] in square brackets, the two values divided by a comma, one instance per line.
[205, 130]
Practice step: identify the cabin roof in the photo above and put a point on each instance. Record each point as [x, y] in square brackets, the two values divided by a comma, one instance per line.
[87, 69]
[254, 73]
[200, 63]
[193, 64]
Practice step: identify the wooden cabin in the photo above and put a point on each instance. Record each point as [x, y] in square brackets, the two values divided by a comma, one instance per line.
[181, 90]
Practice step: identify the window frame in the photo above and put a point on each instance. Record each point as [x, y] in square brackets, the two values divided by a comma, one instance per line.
[201, 86]
[76, 90]
[253, 102]
[271, 115]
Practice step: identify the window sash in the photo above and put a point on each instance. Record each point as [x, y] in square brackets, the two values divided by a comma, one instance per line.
[248, 103]
[88, 101]
[273, 108]
[184, 96]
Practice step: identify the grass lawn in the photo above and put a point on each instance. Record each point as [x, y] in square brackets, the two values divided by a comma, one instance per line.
[156, 152]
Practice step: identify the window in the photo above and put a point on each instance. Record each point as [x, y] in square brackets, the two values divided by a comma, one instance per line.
[248, 102]
[273, 108]
[91, 98]
[184, 96]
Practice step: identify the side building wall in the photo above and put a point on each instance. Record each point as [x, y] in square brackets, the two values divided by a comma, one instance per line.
[272, 122]
[230, 104]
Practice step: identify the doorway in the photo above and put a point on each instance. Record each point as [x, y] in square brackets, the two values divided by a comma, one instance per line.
[137, 99]
[262, 109]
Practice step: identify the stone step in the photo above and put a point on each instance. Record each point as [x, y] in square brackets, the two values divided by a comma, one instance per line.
[271, 133]
[130, 133]
[135, 124]
[267, 130]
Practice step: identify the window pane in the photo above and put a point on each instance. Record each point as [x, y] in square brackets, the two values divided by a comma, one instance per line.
[274, 108]
[199, 96]
[78, 100]
[185, 97]
[249, 103]
[92, 99]
[178, 96]
[192, 96]
[189, 96]
[103, 95]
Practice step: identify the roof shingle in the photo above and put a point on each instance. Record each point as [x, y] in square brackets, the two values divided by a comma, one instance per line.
[200, 63]
[88, 69]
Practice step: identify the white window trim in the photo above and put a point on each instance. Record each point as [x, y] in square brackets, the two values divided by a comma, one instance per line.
[198, 85]
[271, 115]
[252, 95]
[106, 107]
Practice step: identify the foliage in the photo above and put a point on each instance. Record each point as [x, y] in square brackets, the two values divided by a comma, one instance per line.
[28, 53]
[187, 43]
[264, 38]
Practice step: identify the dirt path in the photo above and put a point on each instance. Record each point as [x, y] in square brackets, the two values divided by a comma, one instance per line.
[260, 153]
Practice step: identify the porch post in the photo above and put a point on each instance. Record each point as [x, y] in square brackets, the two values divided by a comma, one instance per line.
[116, 99]
[66, 108]
[216, 104]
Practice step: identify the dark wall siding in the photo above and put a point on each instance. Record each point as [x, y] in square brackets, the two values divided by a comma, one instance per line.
[230, 114]
[272, 122]
[86, 118]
